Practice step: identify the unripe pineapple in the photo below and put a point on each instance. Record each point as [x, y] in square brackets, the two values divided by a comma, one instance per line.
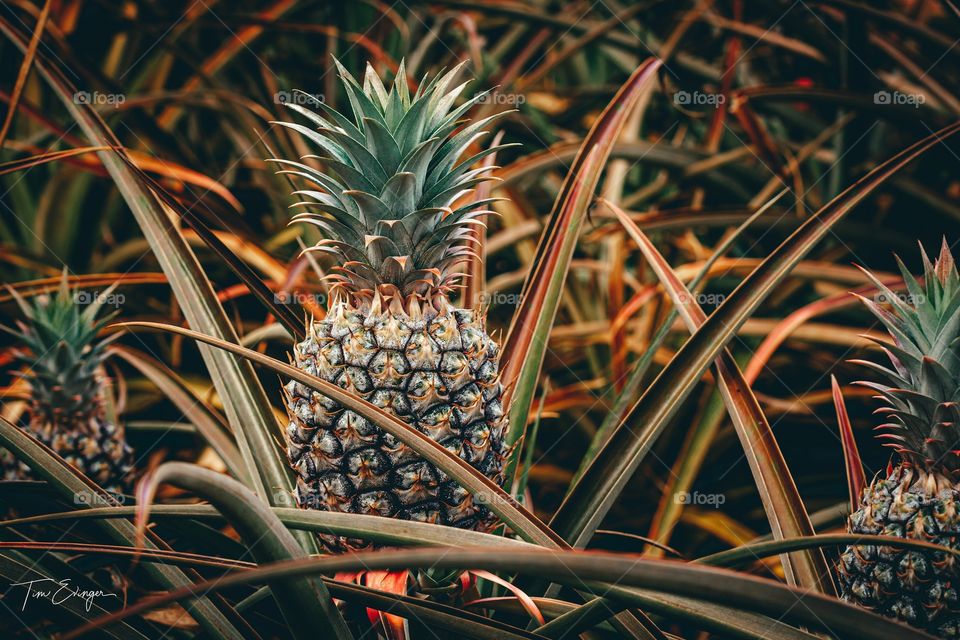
[387, 208]
[918, 497]
[64, 360]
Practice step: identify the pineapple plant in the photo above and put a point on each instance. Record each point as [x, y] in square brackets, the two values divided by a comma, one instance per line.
[392, 209]
[918, 496]
[67, 408]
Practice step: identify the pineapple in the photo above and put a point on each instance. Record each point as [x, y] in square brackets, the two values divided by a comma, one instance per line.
[388, 209]
[67, 409]
[918, 497]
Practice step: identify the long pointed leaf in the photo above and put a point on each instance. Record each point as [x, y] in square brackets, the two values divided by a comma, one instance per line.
[856, 478]
[785, 510]
[593, 495]
[526, 342]
[756, 550]
[385, 531]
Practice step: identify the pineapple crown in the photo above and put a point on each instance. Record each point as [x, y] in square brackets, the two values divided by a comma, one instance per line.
[922, 389]
[63, 353]
[386, 203]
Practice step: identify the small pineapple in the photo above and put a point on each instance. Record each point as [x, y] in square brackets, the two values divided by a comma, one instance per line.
[387, 208]
[918, 498]
[66, 410]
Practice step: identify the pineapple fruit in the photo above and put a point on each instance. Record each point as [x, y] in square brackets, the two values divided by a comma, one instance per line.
[918, 497]
[390, 208]
[67, 410]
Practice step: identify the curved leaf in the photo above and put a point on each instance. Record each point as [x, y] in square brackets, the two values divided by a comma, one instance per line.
[305, 603]
[385, 531]
[595, 569]
[757, 550]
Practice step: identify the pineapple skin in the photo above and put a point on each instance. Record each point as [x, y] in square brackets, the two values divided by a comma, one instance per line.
[919, 588]
[435, 370]
[94, 445]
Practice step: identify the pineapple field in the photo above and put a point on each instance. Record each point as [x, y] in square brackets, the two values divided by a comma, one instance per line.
[434, 319]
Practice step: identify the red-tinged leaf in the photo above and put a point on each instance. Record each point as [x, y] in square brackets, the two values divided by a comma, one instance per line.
[475, 282]
[758, 135]
[394, 627]
[181, 174]
[615, 301]
[176, 174]
[526, 342]
[29, 288]
[438, 617]
[784, 508]
[163, 555]
[788, 325]
[43, 158]
[856, 478]
[618, 331]
[24, 73]
[754, 551]
[608, 473]
[525, 600]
